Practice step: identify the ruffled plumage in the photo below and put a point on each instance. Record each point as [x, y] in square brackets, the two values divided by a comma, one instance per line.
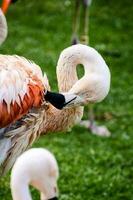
[21, 88]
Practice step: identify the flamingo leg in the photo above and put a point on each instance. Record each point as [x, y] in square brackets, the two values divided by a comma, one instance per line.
[76, 22]
[85, 22]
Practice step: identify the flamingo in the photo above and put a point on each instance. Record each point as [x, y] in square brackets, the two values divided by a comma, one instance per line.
[37, 167]
[27, 106]
[28, 109]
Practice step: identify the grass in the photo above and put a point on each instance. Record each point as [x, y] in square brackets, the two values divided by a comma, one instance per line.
[91, 167]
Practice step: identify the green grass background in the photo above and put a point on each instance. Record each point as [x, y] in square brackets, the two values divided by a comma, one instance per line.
[91, 167]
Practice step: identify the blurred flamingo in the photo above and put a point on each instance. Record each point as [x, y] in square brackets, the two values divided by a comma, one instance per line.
[37, 167]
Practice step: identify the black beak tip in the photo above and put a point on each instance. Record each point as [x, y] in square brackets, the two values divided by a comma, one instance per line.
[59, 106]
[54, 198]
[56, 99]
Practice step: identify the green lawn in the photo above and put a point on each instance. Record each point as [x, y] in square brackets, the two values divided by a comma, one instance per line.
[91, 168]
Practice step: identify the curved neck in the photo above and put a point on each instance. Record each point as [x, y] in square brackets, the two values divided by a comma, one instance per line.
[66, 67]
[79, 54]
[94, 85]
[61, 120]
[66, 75]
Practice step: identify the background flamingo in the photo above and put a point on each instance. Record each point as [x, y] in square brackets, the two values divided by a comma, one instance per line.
[37, 167]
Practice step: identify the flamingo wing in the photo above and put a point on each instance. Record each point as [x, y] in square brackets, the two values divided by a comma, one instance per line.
[22, 107]
[21, 88]
[18, 137]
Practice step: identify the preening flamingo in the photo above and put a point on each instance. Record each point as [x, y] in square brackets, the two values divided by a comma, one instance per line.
[37, 167]
[24, 112]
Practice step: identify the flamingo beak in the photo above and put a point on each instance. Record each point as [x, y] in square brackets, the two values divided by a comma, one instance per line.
[59, 100]
[54, 198]
[73, 100]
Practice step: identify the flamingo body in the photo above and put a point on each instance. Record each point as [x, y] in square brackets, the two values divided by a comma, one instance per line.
[21, 88]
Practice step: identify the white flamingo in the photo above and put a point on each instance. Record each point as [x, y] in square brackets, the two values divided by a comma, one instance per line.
[37, 167]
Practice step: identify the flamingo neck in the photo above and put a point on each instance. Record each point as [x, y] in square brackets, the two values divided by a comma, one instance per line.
[93, 86]
[61, 120]
[66, 74]
[96, 80]
[68, 61]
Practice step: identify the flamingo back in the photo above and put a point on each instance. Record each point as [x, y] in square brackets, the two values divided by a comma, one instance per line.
[21, 88]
